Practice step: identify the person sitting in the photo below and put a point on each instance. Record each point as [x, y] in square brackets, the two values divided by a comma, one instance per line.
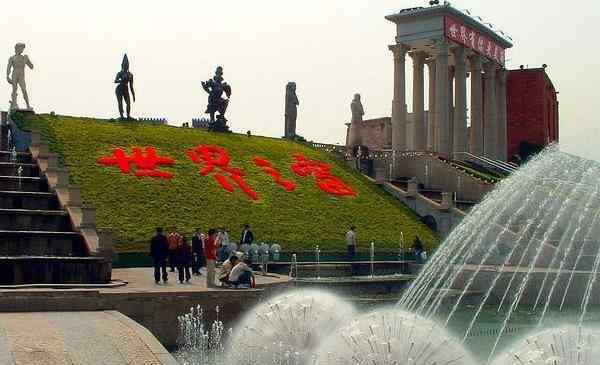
[241, 275]
[183, 259]
[228, 265]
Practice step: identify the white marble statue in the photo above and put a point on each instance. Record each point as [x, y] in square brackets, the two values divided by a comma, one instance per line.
[17, 64]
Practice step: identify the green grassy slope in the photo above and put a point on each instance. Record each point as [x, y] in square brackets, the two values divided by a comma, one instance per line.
[134, 206]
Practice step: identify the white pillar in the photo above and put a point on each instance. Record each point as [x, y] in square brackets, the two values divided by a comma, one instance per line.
[476, 135]
[460, 102]
[419, 130]
[431, 131]
[502, 122]
[441, 98]
[399, 102]
[490, 132]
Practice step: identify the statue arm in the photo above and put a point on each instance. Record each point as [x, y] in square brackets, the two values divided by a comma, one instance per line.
[8, 69]
[296, 99]
[28, 62]
[118, 78]
[206, 86]
[131, 87]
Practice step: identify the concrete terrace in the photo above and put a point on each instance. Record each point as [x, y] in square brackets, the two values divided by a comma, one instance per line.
[156, 307]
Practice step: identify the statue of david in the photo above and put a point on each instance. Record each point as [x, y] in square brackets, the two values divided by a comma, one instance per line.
[15, 75]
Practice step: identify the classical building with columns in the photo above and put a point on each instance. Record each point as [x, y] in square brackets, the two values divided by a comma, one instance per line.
[458, 62]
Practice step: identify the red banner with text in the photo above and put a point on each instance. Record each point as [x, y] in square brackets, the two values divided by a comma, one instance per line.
[472, 39]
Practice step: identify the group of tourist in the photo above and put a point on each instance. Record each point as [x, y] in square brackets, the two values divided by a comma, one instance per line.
[205, 251]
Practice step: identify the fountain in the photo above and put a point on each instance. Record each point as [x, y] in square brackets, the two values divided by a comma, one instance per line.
[528, 247]
[294, 267]
[287, 328]
[199, 343]
[372, 257]
[570, 345]
[318, 261]
[389, 337]
[524, 261]
[401, 247]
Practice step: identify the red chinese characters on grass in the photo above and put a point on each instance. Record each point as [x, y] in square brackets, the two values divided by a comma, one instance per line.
[216, 162]
[146, 161]
[266, 166]
[328, 183]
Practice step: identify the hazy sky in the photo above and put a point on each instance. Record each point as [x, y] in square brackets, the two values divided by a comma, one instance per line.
[330, 48]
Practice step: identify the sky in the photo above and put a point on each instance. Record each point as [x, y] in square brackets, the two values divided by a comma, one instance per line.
[330, 48]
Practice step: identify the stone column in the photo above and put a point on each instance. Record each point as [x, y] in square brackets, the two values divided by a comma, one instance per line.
[451, 110]
[490, 132]
[476, 135]
[460, 102]
[399, 102]
[431, 131]
[441, 98]
[502, 122]
[419, 131]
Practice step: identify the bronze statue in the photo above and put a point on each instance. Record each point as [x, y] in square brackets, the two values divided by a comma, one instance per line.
[124, 80]
[215, 88]
[16, 78]
[291, 110]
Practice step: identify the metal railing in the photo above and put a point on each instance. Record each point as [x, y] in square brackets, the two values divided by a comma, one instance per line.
[504, 167]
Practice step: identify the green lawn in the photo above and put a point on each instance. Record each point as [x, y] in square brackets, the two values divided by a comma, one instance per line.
[297, 220]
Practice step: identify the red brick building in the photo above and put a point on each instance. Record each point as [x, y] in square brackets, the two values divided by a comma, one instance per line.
[532, 111]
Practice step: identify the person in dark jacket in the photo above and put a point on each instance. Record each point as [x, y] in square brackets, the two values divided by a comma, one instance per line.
[183, 259]
[247, 235]
[198, 252]
[159, 250]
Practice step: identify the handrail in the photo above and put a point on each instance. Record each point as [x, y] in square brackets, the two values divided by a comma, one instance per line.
[496, 164]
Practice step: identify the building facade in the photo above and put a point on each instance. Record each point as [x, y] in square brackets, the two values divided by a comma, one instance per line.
[459, 53]
[532, 112]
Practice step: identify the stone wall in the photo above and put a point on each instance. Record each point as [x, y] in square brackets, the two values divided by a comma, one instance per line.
[435, 174]
[157, 311]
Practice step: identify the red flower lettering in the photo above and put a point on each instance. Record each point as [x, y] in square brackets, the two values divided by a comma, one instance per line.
[146, 162]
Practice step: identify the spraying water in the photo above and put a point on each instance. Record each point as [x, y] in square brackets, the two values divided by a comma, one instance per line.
[530, 245]
[392, 337]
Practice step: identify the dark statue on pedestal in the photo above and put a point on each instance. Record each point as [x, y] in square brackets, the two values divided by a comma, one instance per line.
[291, 110]
[124, 80]
[215, 88]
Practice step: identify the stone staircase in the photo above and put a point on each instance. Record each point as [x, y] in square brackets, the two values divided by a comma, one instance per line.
[45, 239]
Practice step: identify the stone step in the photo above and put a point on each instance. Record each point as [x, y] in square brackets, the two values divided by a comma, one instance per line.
[11, 169]
[28, 200]
[41, 243]
[14, 183]
[22, 157]
[19, 270]
[34, 220]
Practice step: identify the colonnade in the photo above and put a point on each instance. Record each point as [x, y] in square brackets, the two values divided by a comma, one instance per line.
[445, 131]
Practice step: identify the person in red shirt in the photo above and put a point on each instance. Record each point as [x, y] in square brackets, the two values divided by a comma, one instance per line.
[210, 252]
[174, 239]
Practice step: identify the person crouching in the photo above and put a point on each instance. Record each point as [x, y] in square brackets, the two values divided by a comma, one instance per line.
[228, 265]
[241, 275]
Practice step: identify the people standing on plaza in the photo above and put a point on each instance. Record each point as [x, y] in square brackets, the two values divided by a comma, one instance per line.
[210, 252]
[198, 252]
[247, 235]
[159, 251]
[224, 250]
[351, 243]
[183, 257]
[351, 247]
[241, 275]
[173, 238]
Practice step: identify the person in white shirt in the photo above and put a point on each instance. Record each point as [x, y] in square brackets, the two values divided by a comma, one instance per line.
[228, 265]
[241, 274]
[351, 245]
